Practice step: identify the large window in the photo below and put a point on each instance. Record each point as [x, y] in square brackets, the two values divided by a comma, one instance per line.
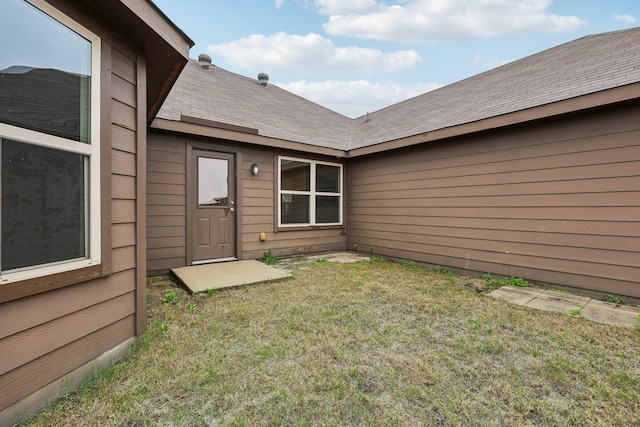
[49, 142]
[309, 192]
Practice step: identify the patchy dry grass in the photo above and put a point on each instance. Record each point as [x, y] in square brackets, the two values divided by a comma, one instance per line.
[376, 343]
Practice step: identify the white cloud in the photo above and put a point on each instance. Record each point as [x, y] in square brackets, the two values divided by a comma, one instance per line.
[450, 20]
[624, 18]
[310, 53]
[356, 98]
[489, 63]
[339, 7]
[279, 3]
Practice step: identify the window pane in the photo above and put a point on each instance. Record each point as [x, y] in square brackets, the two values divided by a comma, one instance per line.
[45, 72]
[213, 181]
[327, 209]
[327, 178]
[43, 205]
[296, 176]
[294, 209]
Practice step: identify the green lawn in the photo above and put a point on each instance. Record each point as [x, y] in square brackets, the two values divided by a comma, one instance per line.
[373, 343]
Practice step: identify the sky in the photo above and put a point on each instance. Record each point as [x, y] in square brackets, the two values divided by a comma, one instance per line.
[358, 56]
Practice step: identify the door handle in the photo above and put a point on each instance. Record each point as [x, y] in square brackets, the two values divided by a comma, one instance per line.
[232, 209]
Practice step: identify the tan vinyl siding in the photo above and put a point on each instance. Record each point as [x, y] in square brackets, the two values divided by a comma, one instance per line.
[259, 215]
[20, 381]
[24, 347]
[166, 205]
[45, 336]
[290, 242]
[258, 204]
[555, 202]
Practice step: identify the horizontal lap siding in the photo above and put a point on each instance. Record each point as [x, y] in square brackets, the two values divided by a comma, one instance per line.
[557, 202]
[258, 204]
[166, 202]
[124, 175]
[48, 335]
[255, 206]
[22, 381]
[258, 213]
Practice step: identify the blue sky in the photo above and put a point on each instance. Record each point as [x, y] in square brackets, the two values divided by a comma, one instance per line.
[355, 56]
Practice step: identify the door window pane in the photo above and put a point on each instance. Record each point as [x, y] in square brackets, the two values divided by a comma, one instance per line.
[43, 205]
[295, 176]
[213, 182]
[327, 178]
[45, 73]
[294, 209]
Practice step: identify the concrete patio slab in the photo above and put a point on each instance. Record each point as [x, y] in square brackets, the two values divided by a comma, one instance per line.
[516, 295]
[556, 301]
[611, 314]
[199, 278]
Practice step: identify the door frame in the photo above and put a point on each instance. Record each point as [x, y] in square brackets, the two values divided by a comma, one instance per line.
[191, 194]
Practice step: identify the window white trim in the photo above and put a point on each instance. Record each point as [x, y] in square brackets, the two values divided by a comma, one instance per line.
[39, 138]
[91, 151]
[312, 193]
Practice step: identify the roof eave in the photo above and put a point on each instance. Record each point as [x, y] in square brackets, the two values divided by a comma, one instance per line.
[168, 52]
[579, 103]
[166, 45]
[242, 136]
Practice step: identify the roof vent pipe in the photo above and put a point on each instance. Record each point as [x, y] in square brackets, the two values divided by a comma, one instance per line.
[204, 60]
[263, 79]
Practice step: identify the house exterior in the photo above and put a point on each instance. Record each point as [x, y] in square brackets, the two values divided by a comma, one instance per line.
[530, 170]
[181, 141]
[78, 87]
[110, 172]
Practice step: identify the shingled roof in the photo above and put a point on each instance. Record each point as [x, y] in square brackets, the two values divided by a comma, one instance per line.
[584, 66]
[228, 98]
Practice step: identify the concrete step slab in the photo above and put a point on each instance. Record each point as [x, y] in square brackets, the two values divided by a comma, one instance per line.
[199, 278]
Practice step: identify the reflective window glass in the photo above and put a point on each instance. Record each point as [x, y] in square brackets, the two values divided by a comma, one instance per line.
[295, 176]
[43, 205]
[294, 209]
[213, 181]
[310, 193]
[45, 73]
[327, 178]
[50, 184]
[327, 209]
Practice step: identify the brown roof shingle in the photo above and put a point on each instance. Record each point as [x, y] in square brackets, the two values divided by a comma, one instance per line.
[586, 65]
[221, 96]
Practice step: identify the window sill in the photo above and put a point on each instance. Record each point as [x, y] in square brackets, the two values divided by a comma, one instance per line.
[309, 227]
[29, 287]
